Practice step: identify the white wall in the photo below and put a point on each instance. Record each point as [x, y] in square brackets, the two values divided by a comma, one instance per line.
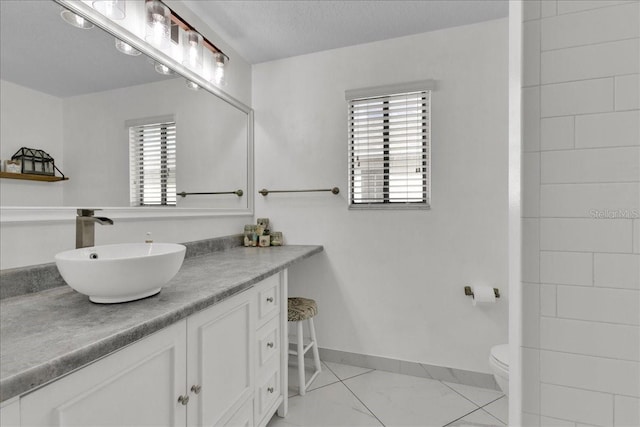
[29, 119]
[581, 168]
[391, 283]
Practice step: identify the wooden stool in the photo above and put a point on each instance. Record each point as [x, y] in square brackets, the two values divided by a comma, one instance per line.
[299, 310]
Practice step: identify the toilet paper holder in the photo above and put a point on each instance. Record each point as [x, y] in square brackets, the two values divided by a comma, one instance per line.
[469, 292]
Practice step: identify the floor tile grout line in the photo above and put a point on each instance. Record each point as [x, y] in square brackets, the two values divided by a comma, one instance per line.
[456, 391]
[465, 415]
[493, 401]
[353, 376]
[341, 380]
[492, 416]
[363, 404]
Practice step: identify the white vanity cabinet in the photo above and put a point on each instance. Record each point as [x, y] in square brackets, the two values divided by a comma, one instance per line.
[222, 366]
[136, 386]
[271, 349]
[220, 360]
[10, 413]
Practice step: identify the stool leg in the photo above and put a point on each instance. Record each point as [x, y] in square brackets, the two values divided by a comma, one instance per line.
[316, 353]
[301, 382]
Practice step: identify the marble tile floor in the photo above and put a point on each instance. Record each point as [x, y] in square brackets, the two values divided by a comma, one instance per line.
[344, 395]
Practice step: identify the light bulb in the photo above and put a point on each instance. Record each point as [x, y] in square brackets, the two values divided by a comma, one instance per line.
[158, 20]
[163, 69]
[112, 9]
[191, 85]
[75, 20]
[218, 73]
[193, 50]
[126, 48]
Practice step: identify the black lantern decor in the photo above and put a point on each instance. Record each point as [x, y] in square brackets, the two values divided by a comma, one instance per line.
[36, 162]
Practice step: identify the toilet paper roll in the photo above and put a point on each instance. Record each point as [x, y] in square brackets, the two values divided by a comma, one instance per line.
[483, 295]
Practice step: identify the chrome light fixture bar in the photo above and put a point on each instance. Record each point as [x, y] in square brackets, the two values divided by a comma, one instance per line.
[184, 25]
[157, 56]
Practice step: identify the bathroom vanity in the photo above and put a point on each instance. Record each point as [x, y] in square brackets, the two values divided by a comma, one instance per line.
[210, 349]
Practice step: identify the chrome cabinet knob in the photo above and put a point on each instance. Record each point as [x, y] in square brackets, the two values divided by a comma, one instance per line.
[183, 399]
[270, 299]
[270, 390]
[196, 389]
[270, 344]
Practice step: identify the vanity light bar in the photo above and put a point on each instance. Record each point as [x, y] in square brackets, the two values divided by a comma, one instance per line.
[177, 20]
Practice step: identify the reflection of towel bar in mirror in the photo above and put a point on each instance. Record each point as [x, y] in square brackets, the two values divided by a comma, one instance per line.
[264, 191]
[238, 193]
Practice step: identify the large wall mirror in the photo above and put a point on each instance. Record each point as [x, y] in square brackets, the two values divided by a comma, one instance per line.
[69, 92]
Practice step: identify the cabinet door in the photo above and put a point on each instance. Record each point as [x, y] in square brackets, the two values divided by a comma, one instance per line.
[220, 343]
[10, 413]
[136, 386]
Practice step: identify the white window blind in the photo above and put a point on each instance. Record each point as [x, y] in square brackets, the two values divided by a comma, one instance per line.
[152, 160]
[389, 150]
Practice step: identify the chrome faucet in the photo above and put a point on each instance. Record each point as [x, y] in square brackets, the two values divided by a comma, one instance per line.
[85, 227]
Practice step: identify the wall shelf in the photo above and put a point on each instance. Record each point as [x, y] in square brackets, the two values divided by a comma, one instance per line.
[31, 177]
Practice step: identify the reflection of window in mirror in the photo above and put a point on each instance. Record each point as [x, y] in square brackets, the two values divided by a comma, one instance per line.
[152, 160]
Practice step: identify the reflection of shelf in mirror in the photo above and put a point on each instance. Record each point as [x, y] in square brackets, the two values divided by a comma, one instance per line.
[31, 177]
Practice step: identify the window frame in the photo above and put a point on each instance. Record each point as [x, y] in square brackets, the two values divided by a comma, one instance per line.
[136, 196]
[386, 93]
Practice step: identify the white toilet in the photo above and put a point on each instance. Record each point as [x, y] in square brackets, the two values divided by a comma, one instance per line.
[499, 363]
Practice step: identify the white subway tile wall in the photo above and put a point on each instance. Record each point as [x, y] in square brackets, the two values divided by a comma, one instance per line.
[581, 97]
[576, 336]
[627, 92]
[614, 58]
[617, 271]
[581, 213]
[616, 164]
[586, 200]
[548, 301]
[609, 129]
[578, 405]
[567, 268]
[627, 411]
[557, 133]
[609, 375]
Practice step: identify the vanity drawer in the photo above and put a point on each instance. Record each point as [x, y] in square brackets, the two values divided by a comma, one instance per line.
[267, 394]
[268, 342]
[268, 298]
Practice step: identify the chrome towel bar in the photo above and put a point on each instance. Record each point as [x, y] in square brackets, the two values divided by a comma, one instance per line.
[264, 191]
[238, 193]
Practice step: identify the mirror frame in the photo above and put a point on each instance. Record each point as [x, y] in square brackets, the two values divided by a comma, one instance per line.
[11, 214]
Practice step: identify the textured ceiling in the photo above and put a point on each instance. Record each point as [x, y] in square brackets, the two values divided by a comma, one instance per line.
[264, 30]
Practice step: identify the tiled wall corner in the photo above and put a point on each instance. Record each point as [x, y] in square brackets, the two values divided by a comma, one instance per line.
[581, 213]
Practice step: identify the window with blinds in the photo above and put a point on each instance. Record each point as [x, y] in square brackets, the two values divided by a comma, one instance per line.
[152, 160]
[389, 150]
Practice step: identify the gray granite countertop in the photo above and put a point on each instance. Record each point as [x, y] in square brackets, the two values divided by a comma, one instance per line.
[51, 333]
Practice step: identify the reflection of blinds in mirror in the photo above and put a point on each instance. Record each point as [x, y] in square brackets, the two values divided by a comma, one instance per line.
[152, 160]
[389, 150]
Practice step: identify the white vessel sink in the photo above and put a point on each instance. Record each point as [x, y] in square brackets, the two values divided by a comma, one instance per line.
[122, 272]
